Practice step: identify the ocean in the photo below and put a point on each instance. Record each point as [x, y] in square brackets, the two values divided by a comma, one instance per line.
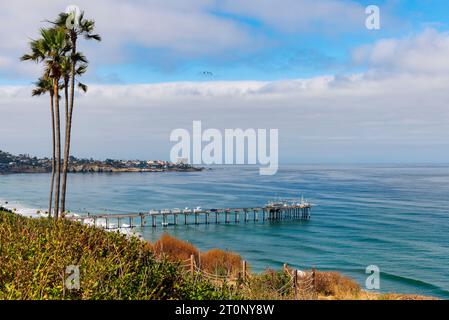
[393, 216]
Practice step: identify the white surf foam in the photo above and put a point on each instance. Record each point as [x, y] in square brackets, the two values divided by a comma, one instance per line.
[23, 210]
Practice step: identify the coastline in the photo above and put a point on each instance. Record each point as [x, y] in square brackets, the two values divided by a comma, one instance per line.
[99, 169]
[11, 164]
[16, 207]
[330, 285]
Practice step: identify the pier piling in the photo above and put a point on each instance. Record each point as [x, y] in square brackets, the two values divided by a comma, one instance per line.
[272, 213]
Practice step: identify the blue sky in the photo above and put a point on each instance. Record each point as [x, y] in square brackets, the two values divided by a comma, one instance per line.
[274, 52]
[283, 55]
[309, 68]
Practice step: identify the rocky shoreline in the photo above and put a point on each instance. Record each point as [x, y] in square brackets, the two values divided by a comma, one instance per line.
[87, 169]
[10, 164]
[98, 169]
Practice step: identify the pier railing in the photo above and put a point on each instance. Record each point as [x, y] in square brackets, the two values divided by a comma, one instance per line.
[198, 216]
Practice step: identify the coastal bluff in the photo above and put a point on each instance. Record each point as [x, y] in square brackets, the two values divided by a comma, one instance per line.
[10, 164]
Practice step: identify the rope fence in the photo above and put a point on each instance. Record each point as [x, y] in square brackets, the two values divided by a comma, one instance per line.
[301, 283]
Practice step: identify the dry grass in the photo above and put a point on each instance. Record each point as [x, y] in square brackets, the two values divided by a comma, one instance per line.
[336, 285]
[223, 263]
[269, 285]
[175, 249]
[215, 261]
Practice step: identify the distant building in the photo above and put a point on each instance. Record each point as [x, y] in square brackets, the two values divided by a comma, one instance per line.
[182, 161]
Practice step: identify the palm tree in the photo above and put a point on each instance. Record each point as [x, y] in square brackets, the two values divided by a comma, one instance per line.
[51, 49]
[81, 27]
[45, 85]
[66, 68]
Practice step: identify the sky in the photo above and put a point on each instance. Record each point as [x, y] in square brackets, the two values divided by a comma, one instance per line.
[336, 91]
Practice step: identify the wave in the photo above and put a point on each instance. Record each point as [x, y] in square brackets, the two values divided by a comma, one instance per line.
[21, 209]
[414, 282]
[26, 211]
[400, 279]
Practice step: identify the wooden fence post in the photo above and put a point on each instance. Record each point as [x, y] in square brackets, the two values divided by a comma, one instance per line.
[192, 264]
[244, 267]
[295, 283]
[285, 268]
[314, 279]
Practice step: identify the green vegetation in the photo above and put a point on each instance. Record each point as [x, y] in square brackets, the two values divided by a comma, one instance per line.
[34, 254]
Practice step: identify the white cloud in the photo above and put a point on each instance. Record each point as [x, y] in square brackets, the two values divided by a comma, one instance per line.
[396, 111]
[180, 29]
[354, 118]
[426, 52]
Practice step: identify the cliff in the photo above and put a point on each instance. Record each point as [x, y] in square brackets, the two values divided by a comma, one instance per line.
[26, 164]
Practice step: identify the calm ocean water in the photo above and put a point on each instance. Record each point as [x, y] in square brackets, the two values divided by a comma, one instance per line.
[395, 217]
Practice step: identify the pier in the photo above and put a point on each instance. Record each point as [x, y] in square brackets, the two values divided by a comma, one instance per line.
[274, 211]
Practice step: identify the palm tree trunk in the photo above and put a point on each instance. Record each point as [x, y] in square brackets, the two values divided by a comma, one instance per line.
[58, 148]
[68, 132]
[53, 161]
[66, 146]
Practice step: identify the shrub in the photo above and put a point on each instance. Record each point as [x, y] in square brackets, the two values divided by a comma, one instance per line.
[175, 249]
[270, 285]
[334, 284]
[223, 263]
[34, 254]
[5, 210]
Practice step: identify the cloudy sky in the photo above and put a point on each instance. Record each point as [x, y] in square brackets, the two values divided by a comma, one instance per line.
[336, 91]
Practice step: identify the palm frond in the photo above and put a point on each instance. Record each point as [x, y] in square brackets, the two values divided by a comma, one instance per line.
[80, 57]
[43, 85]
[26, 57]
[81, 69]
[60, 20]
[53, 49]
[82, 87]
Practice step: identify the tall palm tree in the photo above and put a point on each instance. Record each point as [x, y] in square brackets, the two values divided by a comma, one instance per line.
[81, 27]
[51, 49]
[66, 68]
[45, 85]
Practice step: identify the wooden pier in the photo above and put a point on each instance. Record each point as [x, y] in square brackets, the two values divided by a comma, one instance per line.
[270, 212]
